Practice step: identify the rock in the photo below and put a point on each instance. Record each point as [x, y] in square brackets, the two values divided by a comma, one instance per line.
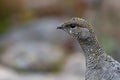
[49, 77]
[75, 65]
[32, 55]
[43, 29]
[7, 74]
[70, 77]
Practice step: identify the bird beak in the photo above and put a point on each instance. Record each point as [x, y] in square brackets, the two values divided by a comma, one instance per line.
[59, 27]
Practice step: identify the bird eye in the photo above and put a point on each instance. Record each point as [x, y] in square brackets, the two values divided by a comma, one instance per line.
[73, 25]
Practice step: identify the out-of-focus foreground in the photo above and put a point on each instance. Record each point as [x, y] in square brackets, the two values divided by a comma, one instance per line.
[32, 49]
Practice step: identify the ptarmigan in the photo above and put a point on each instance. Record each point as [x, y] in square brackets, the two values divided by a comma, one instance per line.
[99, 65]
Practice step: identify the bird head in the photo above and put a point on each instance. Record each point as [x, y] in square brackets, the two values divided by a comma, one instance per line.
[77, 27]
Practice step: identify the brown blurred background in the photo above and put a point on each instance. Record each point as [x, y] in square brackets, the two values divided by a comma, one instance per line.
[32, 49]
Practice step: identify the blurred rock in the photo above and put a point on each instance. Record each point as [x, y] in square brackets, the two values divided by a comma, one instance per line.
[49, 77]
[70, 77]
[32, 55]
[36, 30]
[31, 46]
[7, 74]
[75, 65]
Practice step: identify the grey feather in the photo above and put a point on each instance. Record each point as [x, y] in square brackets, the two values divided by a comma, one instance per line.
[99, 65]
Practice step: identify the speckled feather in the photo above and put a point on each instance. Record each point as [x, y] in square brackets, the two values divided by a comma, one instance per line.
[100, 66]
[81, 22]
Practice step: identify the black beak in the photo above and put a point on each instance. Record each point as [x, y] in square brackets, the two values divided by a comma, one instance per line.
[59, 27]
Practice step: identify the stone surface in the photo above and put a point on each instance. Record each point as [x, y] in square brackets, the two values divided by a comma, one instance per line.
[32, 55]
[75, 65]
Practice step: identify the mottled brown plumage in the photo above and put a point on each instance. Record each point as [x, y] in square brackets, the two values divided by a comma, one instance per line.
[99, 65]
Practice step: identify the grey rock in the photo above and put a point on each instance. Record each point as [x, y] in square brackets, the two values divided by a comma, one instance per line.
[32, 55]
[75, 65]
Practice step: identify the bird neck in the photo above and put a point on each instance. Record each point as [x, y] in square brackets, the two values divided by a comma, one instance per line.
[92, 50]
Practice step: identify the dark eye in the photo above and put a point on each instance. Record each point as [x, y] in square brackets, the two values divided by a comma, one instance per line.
[73, 25]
